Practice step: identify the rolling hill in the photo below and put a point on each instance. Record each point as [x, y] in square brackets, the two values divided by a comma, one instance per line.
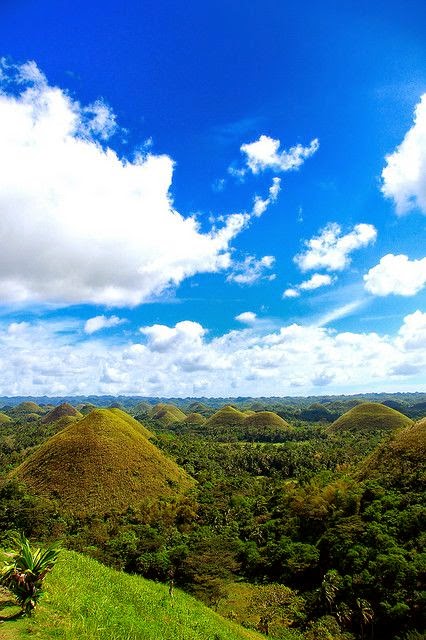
[370, 418]
[101, 463]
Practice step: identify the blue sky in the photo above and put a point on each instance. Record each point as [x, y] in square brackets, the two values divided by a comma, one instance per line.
[221, 198]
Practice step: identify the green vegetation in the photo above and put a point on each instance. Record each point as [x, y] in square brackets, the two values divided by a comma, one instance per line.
[101, 463]
[24, 571]
[400, 461]
[331, 519]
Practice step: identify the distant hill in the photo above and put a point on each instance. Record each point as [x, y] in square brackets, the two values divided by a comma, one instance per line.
[265, 420]
[121, 606]
[226, 417]
[101, 463]
[61, 411]
[370, 418]
[167, 413]
[195, 418]
[400, 460]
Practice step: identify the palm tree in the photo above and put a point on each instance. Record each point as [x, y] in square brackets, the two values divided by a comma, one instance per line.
[25, 569]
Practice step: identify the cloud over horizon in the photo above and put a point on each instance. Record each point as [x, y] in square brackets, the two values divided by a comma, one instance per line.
[183, 360]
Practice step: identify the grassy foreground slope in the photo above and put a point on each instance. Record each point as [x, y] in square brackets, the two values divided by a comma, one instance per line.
[86, 600]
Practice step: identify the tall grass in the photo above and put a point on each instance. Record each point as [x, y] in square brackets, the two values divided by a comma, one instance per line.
[85, 599]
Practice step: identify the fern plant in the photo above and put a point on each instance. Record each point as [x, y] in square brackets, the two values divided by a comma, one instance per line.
[25, 569]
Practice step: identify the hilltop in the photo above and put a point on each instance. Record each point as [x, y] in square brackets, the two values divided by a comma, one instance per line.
[226, 417]
[370, 418]
[101, 463]
[167, 413]
[61, 411]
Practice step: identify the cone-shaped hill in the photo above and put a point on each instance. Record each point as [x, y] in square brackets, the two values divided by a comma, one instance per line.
[26, 408]
[370, 418]
[226, 417]
[100, 464]
[401, 460]
[195, 418]
[60, 411]
[266, 420]
[167, 413]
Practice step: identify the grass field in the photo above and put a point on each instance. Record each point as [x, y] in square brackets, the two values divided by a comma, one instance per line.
[86, 600]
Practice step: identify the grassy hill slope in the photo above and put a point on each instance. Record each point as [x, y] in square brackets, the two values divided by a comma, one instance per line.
[227, 416]
[61, 411]
[85, 600]
[101, 463]
[401, 460]
[167, 413]
[370, 417]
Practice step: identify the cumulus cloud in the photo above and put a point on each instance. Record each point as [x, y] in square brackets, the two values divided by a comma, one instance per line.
[251, 270]
[247, 317]
[79, 224]
[264, 154]
[101, 322]
[291, 292]
[404, 176]
[50, 358]
[396, 275]
[332, 250]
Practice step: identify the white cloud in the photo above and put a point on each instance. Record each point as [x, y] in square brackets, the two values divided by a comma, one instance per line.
[396, 275]
[79, 224]
[291, 293]
[264, 154]
[50, 358]
[251, 270]
[260, 205]
[247, 317]
[331, 250]
[340, 312]
[162, 338]
[101, 322]
[404, 176]
[315, 282]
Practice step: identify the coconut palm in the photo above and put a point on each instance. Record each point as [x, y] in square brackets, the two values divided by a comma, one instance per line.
[24, 570]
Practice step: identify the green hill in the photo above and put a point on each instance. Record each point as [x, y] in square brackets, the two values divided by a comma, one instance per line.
[85, 600]
[4, 418]
[28, 407]
[60, 411]
[195, 418]
[101, 463]
[226, 417]
[265, 420]
[400, 460]
[370, 418]
[167, 413]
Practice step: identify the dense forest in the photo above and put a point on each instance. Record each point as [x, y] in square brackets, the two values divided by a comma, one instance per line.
[302, 518]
